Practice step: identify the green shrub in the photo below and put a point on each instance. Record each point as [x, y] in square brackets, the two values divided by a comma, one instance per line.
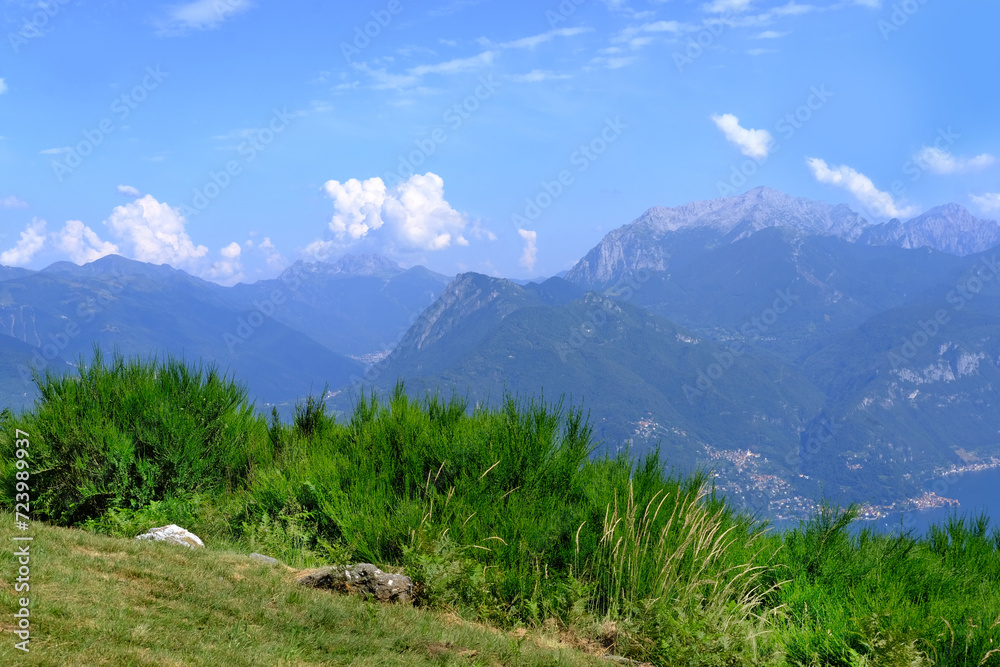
[122, 434]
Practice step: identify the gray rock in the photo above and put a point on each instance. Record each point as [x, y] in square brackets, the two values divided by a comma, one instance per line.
[265, 559]
[362, 579]
[172, 534]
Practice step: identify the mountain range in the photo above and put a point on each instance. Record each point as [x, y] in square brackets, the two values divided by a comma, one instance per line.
[790, 344]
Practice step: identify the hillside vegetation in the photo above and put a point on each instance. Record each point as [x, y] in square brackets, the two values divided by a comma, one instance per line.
[499, 514]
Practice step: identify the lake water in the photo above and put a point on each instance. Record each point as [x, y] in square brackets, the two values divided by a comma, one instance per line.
[976, 491]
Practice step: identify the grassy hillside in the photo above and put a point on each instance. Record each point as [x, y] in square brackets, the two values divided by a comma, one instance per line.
[98, 600]
[498, 514]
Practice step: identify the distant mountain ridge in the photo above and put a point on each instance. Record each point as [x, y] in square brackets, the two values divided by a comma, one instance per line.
[365, 264]
[284, 337]
[949, 228]
[660, 234]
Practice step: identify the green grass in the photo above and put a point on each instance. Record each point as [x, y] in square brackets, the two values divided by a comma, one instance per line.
[97, 600]
[500, 515]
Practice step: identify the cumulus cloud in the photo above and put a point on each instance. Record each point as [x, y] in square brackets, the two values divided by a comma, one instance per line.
[530, 253]
[859, 185]
[154, 232]
[228, 270]
[13, 202]
[415, 214]
[939, 161]
[989, 202]
[752, 143]
[81, 243]
[129, 191]
[32, 240]
[203, 14]
[273, 258]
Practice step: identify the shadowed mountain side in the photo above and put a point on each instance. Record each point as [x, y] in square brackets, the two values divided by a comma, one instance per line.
[822, 286]
[636, 373]
[141, 310]
[17, 390]
[359, 305]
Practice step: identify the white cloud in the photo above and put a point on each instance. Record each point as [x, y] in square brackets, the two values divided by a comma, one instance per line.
[759, 52]
[768, 17]
[530, 253]
[204, 14]
[874, 4]
[3, 86]
[273, 258]
[229, 269]
[414, 213]
[55, 151]
[859, 185]
[629, 34]
[387, 80]
[13, 202]
[455, 66]
[129, 190]
[320, 251]
[82, 244]
[989, 202]
[721, 6]
[752, 143]
[32, 240]
[613, 62]
[770, 34]
[938, 161]
[154, 232]
[534, 40]
[537, 76]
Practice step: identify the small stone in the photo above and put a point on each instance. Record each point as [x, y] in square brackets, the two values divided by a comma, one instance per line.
[363, 579]
[265, 559]
[172, 534]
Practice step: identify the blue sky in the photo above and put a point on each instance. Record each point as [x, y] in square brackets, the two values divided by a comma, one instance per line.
[230, 138]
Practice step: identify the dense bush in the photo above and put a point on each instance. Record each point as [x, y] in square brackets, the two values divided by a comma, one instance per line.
[121, 435]
[502, 515]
